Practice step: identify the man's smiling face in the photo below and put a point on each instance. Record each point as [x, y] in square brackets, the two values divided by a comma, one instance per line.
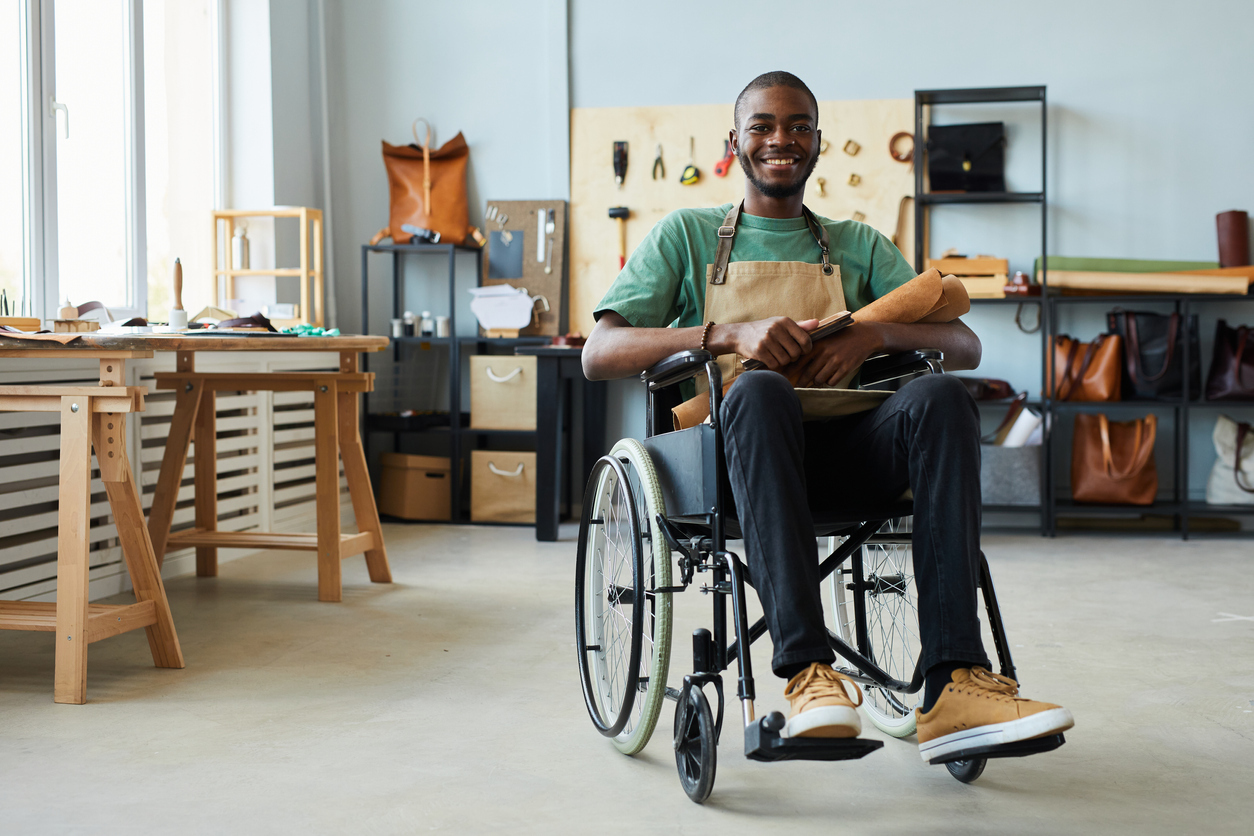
[777, 140]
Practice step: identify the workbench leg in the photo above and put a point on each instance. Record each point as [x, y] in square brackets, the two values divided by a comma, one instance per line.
[73, 527]
[548, 441]
[359, 489]
[173, 462]
[327, 489]
[109, 439]
[205, 481]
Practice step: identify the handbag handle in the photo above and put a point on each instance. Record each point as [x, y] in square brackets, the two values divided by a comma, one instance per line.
[518, 471]
[1143, 452]
[496, 378]
[1134, 343]
[1243, 429]
[1243, 333]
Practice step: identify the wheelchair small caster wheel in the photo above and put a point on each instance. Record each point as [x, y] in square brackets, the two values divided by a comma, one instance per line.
[968, 770]
[695, 753]
[774, 722]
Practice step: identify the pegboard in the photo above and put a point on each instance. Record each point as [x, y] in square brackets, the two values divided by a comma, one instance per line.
[594, 235]
[540, 257]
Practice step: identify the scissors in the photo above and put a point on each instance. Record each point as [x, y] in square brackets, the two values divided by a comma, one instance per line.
[659, 168]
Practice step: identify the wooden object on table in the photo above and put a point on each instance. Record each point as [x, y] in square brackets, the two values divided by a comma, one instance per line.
[501, 333]
[1200, 282]
[22, 323]
[525, 227]
[92, 417]
[309, 272]
[337, 436]
[594, 238]
[983, 276]
[74, 326]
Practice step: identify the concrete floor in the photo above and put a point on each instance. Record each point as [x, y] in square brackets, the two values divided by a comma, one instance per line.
[449, 701]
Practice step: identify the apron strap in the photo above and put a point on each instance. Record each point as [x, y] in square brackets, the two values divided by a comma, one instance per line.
[727, 235]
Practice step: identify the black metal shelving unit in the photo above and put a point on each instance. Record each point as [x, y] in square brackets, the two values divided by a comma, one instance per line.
[924, 200]
[456, 423]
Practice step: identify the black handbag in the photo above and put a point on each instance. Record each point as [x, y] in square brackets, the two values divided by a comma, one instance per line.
[1153, 351]
[967, 158]
[1232, 367]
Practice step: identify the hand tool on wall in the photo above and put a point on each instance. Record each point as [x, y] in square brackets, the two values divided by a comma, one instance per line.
[550, 227]
[691, 173]
[620, 162]
[821, 182]
[659, 168]
[724, 165]
[541, 217]
[620, 213]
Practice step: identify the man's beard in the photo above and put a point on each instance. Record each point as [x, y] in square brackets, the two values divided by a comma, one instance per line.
[778, 191]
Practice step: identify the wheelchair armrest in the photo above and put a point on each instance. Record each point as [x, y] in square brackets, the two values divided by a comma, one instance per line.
[888, 367]
[678, 367]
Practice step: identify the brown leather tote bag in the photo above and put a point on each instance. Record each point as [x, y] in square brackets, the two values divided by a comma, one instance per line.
[1232, 366]
[1112, 462]
[428, 188]
[1086, 371]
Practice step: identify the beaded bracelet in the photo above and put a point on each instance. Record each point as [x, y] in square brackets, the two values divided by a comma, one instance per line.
[705, 336]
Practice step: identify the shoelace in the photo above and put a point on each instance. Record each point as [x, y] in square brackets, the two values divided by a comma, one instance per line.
[986, 680]
[826, 683]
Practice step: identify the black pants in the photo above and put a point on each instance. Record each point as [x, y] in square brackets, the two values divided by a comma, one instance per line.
[925, 437]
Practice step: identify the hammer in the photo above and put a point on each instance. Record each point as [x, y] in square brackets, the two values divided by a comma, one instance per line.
[620, 213]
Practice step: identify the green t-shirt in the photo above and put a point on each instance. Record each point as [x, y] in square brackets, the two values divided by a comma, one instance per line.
[664, 280]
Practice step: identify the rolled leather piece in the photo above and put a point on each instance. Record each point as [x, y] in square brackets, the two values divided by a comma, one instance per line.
[925, 298]
[1234, 238]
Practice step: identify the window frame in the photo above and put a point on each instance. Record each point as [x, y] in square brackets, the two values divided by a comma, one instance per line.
[41, 274]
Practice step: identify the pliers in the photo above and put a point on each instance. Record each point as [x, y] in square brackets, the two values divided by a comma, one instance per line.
[659, 169]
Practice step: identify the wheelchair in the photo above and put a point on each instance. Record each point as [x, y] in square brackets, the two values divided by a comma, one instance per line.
[662, 501]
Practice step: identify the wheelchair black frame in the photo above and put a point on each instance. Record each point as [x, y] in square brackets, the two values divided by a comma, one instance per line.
[712, 654]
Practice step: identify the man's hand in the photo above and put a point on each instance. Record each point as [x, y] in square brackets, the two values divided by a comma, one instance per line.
[776, 342]
[840, 355]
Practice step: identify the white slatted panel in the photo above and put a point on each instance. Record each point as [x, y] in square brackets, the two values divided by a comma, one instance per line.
[265, 468]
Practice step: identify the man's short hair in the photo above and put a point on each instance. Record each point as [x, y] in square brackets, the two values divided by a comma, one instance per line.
[776, 78]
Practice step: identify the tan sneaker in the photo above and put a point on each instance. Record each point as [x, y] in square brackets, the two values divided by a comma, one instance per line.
[821, 706]
[981, 708]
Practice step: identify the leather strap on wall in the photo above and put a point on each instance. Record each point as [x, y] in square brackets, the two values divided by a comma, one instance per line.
[426, 163]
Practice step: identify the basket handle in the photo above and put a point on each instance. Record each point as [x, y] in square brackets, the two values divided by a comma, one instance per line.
[518, 471]
[496, 378]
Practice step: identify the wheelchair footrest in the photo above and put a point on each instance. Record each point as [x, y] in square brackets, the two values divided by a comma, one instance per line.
[1018, 749]
[764, 744]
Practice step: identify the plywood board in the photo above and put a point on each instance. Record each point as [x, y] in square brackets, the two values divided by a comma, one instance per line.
[594, 235]
[539, 250]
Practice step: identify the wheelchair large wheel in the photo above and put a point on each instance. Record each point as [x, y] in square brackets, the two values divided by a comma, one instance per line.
[622, 624]
[892, 623]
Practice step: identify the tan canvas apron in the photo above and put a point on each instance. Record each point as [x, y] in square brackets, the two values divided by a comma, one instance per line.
[746, 291]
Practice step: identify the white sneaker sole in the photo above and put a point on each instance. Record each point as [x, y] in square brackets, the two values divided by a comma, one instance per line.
[1037, 725]
[824, 721]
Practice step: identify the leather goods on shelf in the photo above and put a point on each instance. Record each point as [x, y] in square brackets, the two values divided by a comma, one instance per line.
[428, 188]
[1231, 375]
[967, 158]
[1234, 238]
[1232, 478]
[1153, 350]
[987, 388]
[1112, 462]
[1086, 371]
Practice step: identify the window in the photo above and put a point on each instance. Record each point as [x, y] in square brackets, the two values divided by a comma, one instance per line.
[118, 153]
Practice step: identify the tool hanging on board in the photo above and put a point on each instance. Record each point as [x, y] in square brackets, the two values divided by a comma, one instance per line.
[659, 168]
[620, 213]
[724, 165]
[691, 173]
[620, 163]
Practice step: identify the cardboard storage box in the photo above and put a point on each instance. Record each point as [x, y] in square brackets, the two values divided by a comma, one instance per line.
[1010, 475]
[502, 486]
[502, 392]
[415, 487]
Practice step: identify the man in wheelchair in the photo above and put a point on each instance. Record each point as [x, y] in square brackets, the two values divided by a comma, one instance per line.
[779, 271]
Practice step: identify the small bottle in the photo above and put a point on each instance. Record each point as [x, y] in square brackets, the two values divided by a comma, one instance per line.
[426, 327]
[398, 328]
[408, 319]
[239, 248]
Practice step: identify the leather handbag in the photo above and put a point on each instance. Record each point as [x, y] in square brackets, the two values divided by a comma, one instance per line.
[1153, 349]
[1231, 375]
[987, 388]
[428, 188]
[1112, 462]
[967, 158]
[1085, 371]
[1232, 478]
